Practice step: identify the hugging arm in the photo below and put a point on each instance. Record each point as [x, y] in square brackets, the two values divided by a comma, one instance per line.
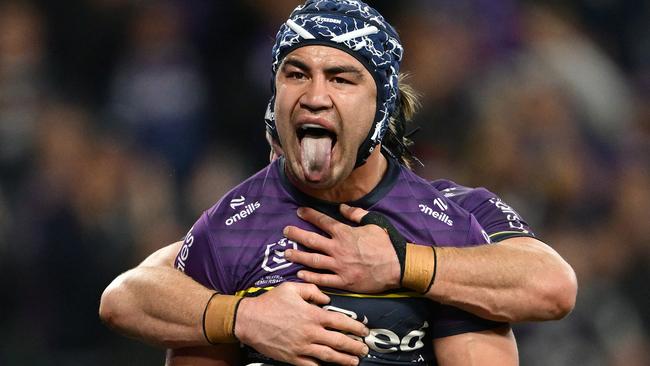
[158, 304]
[155, 303]
[518, 279]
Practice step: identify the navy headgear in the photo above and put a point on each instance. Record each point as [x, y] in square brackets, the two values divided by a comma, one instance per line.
[356, 28]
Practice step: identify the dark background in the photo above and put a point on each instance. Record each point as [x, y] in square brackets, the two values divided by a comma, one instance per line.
[121, 121]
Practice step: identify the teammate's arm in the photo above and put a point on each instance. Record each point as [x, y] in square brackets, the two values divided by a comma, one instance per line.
[160, 305]
[490, 347]
[287, 325]
[155, 303]
[520, 279]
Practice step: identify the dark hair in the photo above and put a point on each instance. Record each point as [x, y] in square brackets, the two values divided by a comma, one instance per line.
[396, 140]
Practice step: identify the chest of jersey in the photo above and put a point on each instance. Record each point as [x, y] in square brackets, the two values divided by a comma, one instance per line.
[247, 246]
[250, 244]
[401, 324]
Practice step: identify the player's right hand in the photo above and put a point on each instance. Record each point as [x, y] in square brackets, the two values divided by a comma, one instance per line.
[287, 325]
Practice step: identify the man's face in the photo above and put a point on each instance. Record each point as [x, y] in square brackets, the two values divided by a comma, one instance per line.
[325, 104]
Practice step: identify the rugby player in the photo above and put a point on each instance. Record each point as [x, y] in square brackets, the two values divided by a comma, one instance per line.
[333, 100]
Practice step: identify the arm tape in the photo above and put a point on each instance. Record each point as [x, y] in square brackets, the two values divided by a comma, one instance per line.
[418, 263]
[421, 265]
[398, 241]
[219, 318]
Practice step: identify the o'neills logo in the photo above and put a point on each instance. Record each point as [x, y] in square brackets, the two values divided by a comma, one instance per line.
[247, 211]
[436, 215]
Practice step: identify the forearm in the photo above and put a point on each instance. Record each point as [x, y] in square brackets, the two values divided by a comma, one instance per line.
[167, 316]
[156, 303]
[518, 279]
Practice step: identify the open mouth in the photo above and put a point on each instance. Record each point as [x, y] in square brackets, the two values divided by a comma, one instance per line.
[316, 146]
[315, 131]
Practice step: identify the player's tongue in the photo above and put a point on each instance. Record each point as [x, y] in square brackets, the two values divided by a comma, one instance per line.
[316, 154]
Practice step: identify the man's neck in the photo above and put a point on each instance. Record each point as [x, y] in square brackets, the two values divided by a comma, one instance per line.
[359, 183]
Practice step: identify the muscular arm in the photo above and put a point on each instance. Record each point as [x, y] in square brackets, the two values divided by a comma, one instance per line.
[162, 306]
[492, 347]
[156, 303]
[518, 279]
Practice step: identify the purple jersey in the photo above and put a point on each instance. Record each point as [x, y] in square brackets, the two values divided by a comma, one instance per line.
[496, 217]
[237, 247]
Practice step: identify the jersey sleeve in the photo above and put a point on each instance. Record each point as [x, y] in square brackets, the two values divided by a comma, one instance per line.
[499, 220]
[196, 258]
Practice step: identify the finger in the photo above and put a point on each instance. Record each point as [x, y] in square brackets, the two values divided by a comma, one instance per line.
[341, 323]
[304, 361]
[307, 238]
[354, 214]
[319, 219]
[311, 260]
[322, 279]
[312, 294]
[327, 354]
[346, 343]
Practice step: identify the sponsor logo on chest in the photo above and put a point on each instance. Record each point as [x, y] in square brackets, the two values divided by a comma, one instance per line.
[382, 340]
[245, 212]
[438, 212]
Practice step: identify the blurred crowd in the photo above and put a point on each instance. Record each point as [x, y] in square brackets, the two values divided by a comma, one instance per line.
[121, 121]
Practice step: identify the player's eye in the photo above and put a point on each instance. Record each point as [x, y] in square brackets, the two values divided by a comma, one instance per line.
[340, 80]
[295, 75]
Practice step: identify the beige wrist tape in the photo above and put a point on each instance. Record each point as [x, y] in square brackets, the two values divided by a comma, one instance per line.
[219, 318]
[420, 267]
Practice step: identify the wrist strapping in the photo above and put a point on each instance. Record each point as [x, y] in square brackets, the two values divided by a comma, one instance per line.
[219, 318]
[417, 263]
[398, 241]
[420, 267]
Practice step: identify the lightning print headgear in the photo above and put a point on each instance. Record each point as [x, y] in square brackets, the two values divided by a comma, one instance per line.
[356, 28]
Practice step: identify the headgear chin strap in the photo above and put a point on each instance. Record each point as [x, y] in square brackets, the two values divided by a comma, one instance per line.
[356, 28]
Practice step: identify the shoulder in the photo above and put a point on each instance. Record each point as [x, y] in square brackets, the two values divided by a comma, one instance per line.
[423, 211]
[244, 198]
[472, 199]
[223, 248]
[443, 192]
[498, 218]
[463, 195]
[426, 193]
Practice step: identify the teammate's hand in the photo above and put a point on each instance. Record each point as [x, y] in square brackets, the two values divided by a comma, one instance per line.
[361, 259]
[287, 325]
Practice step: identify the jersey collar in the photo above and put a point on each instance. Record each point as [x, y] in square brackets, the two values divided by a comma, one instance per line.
[331, 208]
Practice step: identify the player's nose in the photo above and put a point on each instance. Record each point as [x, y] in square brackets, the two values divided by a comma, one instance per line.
[317, 95]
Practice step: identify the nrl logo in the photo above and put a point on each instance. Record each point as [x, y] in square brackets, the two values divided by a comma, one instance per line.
[274, 255]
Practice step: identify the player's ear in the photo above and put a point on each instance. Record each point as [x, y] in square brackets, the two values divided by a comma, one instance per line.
[276, 150]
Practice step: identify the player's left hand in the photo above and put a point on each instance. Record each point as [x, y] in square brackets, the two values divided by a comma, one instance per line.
[361, 259]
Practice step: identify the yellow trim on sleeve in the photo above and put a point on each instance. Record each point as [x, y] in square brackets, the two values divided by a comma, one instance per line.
[389, 295]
